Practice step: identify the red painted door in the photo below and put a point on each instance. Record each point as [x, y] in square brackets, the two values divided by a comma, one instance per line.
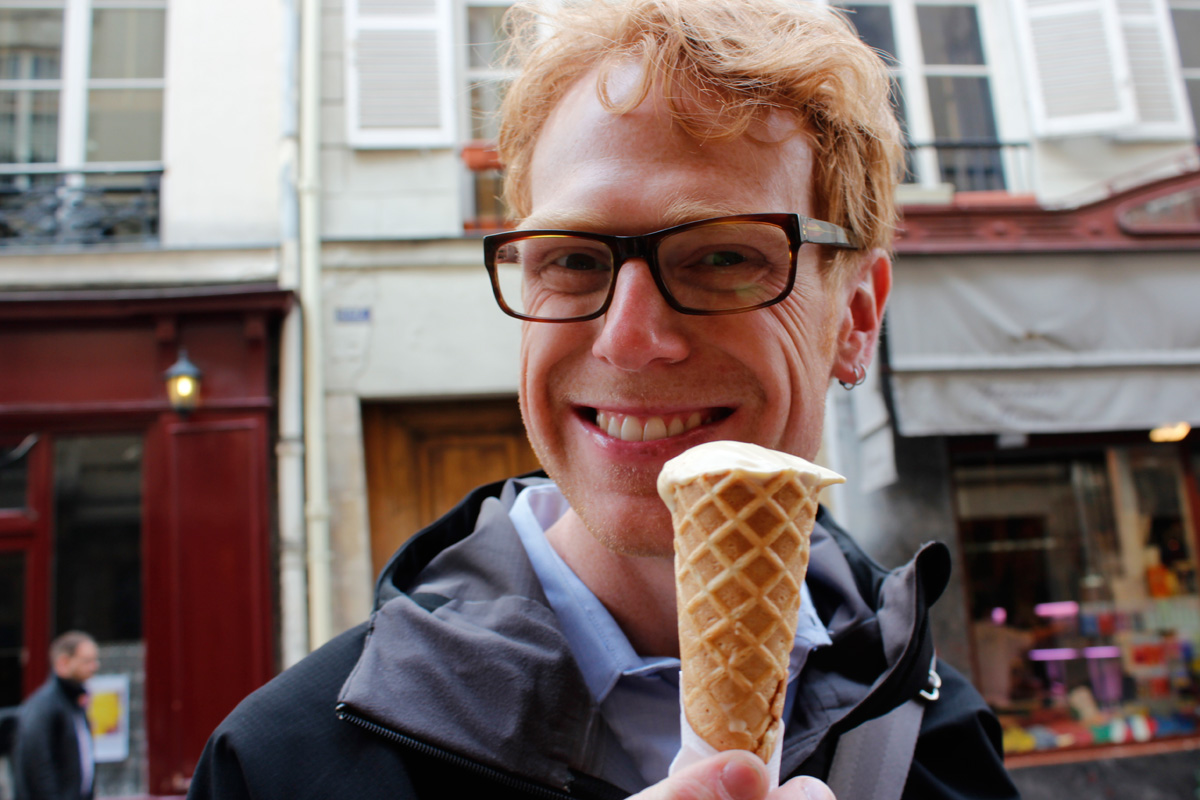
[25, 489]
[209, 637]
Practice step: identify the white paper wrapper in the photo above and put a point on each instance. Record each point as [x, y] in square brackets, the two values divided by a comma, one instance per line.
[692, 748]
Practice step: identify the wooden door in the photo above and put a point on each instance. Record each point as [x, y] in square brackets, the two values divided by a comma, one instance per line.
[422, 458]
[208, 623]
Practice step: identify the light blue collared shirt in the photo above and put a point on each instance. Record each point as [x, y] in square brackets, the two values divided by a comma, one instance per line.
[638, 696]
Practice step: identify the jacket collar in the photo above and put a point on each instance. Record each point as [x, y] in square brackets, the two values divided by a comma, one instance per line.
[462, 626]
[71, 689]
[459, 647]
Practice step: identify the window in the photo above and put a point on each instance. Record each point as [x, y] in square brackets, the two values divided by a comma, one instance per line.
[960, 98]
[125, 85]
[1177, 212]
[1082, 585]
[1185, 14]
[937, 58]
[12, 627]
[80, 138]
[485, 88]
[98, 536]
[1096, 67]
[398, 69]
[30, 84]
[14, 473]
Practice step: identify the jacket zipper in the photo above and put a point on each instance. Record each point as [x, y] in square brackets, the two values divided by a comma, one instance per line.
[425, 749]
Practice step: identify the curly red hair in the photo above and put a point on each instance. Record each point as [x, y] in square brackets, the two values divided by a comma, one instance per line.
[742, 60]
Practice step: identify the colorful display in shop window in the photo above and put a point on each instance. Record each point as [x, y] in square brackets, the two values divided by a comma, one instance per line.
[1082, 578]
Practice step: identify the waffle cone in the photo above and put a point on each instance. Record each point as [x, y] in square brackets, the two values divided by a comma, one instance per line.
[741, 552]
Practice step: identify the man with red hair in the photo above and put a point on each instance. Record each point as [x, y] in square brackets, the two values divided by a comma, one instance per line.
[704, 198]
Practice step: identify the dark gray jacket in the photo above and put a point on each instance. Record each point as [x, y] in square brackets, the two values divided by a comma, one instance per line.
[46, 763]
[462, 682]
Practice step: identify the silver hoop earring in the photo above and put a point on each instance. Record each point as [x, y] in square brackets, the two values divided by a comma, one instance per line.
[860, 375]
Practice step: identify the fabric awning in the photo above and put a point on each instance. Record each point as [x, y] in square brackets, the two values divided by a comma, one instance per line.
[1045, 343]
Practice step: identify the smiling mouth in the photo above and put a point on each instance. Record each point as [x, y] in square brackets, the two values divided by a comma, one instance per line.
[629, 428]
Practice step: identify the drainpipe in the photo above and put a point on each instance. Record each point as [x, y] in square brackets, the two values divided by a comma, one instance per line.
[293, 573]
[316, 510]
[289, 451]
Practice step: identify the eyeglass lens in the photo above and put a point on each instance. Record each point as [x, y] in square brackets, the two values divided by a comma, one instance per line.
[719, 267]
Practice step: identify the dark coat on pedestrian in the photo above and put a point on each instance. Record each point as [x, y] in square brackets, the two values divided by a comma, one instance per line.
[46, 761]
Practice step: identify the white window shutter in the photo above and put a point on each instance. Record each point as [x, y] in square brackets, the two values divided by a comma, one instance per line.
[1076, 70]
[1154, 65]
[399, 73]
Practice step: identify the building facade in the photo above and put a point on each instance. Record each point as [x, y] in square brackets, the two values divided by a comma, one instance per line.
[296, 200]
[144, 200]
[1041, 329]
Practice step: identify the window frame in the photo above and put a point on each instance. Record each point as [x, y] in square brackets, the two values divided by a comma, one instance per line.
[440, 22]
[910, 73]
[470, 178]
[1189, 75]
[74, 86]
[1142, 70]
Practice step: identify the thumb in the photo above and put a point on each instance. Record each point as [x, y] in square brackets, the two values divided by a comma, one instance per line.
[803, 788]
[734, 775]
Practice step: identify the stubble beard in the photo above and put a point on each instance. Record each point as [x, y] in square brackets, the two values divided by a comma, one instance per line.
[649, 536]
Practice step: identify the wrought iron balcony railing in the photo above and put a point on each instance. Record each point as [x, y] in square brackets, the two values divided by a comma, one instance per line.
[47, 205]
[972, 165]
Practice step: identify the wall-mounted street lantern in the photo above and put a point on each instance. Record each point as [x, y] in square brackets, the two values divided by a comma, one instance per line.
[183, 383]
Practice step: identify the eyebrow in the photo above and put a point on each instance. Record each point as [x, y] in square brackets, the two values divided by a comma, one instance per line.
[678, 212]
[564, 220]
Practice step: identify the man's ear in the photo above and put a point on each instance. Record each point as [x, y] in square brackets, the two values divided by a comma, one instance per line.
[864, 294]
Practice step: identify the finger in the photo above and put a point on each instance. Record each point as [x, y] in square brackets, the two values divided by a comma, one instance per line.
[802, 788]
[735, 775]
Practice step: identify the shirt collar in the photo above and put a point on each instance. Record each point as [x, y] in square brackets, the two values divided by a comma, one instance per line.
[599, 645]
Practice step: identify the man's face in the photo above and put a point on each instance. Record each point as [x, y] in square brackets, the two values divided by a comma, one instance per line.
[593, 392]
[82, 665]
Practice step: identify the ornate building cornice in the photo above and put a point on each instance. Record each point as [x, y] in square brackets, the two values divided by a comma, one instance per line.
[1162, 215]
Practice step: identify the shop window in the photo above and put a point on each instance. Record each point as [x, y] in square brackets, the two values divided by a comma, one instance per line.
[98, 536]
[14, 474]
[1081, 577]
[12, 627]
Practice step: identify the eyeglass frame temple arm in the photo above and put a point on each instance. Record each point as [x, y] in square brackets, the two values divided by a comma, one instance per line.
[815, 231]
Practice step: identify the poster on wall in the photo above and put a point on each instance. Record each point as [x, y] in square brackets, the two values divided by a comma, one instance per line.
[108, 712]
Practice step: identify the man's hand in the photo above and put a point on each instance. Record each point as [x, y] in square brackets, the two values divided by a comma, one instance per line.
[735, 775]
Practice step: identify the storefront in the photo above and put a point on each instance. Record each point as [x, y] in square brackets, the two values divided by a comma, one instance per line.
[1080, 568]
[1047, 363]
[148, 527]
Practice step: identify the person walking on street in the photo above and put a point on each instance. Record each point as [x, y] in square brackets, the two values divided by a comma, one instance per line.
[53, 759]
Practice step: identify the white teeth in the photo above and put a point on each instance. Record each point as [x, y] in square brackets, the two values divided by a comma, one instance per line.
[633, 429]
[655, 429]
[609, 424]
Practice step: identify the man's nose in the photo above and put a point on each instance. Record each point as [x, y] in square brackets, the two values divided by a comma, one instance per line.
[639, 328]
